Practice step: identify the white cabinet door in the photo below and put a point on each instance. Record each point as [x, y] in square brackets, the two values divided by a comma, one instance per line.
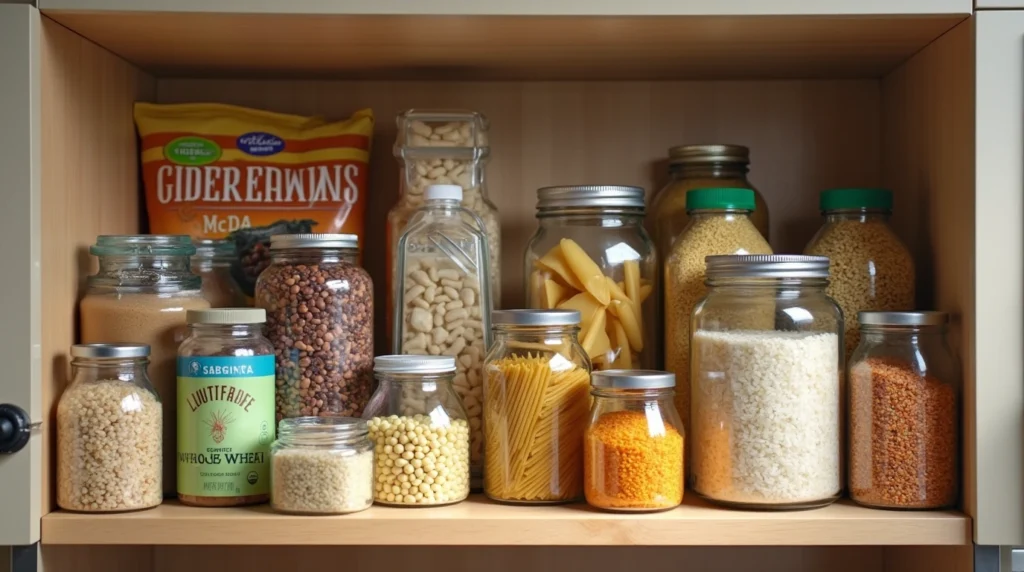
[20, 384]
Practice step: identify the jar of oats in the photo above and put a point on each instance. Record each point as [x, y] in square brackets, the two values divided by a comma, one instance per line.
[871, 267]
[109, 424]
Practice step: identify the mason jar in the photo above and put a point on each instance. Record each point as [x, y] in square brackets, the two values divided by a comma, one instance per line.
[633, 447]
[212, 262]
[140, 294]
[766, 372]
[904, 413]
[321, 466]
[109, 432]
[591, 254]
[536, 403]
[420, 432]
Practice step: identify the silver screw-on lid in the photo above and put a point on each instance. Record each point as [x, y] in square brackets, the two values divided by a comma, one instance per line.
[910, 319]
[226, 316]
[500, 318]
[633, 379]
[583, 196]
[709, 153]
[110, 351]
[413, 364]
[314, 241]
[766, 266]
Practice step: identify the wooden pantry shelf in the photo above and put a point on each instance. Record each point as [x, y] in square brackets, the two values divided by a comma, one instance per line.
[481, 522]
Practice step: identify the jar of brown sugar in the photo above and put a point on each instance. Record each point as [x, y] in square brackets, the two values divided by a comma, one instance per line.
[904, 387]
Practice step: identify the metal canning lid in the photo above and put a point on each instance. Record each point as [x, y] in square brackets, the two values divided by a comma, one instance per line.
[214, 249]
[503, 318]
[98, 351]
[583, 196]
[709, 153]
[413, 364]
[314, 241]
[143, 244]
[226, 316]
[633, 379]
[910, 319]
[766, 266]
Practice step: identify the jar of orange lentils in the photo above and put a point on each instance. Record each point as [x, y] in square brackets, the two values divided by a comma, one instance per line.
[633, 447]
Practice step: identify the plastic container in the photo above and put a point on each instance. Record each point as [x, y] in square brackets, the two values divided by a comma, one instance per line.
[591, 253]
[871, 267]
[767, 367]
[633, 447]
[212, 262]
[109, 432]
[536, 403]
[904, 404]
[420, 432]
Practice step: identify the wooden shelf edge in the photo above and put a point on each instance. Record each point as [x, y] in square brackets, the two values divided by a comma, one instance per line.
[478, 522]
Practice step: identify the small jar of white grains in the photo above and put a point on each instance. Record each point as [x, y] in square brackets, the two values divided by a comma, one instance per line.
[321, 465]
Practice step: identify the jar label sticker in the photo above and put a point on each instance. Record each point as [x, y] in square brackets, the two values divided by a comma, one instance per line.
[225, 425]
[192, 151]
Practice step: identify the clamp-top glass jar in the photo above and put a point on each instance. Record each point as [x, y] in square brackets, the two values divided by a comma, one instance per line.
[591, 253]
[765, 384]
[212, 262]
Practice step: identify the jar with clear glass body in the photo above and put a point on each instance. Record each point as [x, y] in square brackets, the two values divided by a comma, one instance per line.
[871, 267]
[719, 223]
[443, 147]
[591, 253]
[536, 405]
[766, 381]
[109, 432]
[633, 447]
[904, 413]
[319, 305]
[140, 294]
[212, 262]
[321, 466]
[226, 396]
[420, 432]
[444, 304]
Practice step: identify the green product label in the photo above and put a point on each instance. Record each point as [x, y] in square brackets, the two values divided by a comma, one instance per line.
[225, 425]
[191, 150]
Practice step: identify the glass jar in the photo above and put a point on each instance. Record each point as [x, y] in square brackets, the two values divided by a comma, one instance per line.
[719, 223]
[536, 402]
[420, 432]
[140, 294]
[633, 447]
[321, 465]
[443, 147]
[701, 167]
[591, 253]
[319, 305]
[212, 262]
[109, 431]
[444, 302]
[226, 414]
[871, 267]
[766, 373]
[904, 385]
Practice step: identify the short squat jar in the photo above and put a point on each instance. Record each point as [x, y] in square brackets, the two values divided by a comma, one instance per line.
[321, 466]
[420, 432]
[109, 424]
[633, 447]
[904, 386]
[766, 371]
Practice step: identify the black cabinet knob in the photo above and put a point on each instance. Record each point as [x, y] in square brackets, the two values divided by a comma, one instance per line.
[15, 428]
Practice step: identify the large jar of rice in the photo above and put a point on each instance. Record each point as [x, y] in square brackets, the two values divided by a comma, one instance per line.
[765, 406]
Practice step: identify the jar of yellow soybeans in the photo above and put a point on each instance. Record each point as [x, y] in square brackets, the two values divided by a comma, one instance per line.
[633, 445]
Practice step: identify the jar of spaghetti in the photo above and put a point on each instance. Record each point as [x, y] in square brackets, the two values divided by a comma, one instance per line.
[536, 402]
[633, 447]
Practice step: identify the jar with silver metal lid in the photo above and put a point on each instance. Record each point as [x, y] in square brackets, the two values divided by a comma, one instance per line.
[904, 411]
[633, 447]
[765, 384]
[591, 253]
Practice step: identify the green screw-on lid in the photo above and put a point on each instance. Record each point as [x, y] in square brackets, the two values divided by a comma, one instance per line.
[839, 199]
[720, 198]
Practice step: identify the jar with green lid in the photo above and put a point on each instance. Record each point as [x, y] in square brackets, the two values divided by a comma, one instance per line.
[212, 262]
[872, 270]
[719, 224]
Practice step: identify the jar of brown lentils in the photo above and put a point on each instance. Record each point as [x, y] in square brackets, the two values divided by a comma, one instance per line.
[319, 305]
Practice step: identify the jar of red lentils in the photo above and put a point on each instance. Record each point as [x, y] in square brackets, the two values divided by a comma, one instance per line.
[633, 446]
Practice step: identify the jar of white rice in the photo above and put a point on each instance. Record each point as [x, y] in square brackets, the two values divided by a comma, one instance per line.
[766, 384]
